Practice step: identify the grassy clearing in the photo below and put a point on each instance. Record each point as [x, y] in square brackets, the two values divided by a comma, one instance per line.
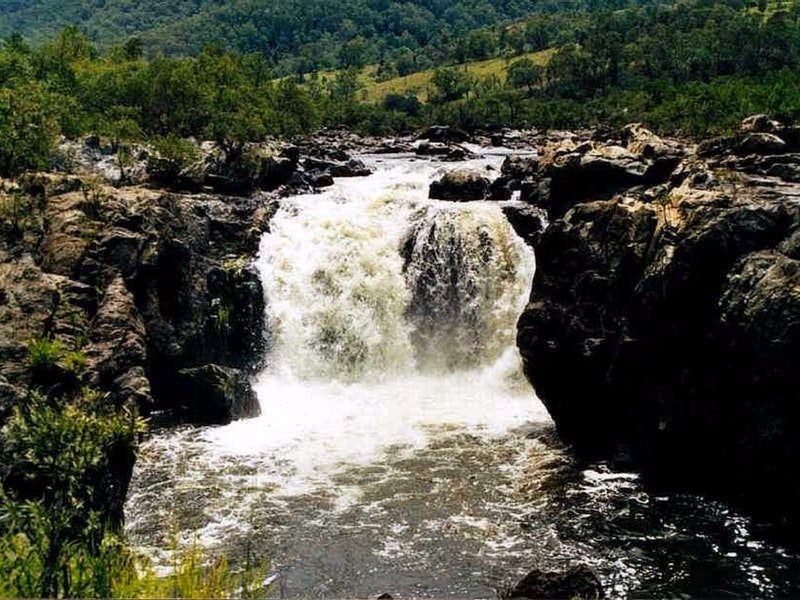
[419, 83]
[374, 91]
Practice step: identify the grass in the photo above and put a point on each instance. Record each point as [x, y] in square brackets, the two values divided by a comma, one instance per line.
[374, 91]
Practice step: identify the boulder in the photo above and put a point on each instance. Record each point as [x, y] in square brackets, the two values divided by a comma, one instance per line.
[351, 168]
[460, 185]
[576, 583]
[528, 221]
[214, 394]
[759, 124]
[443, 134]
[761, 143]
[500, 189]
[520, 167]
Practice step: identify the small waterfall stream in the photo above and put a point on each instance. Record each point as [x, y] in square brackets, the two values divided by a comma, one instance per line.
[400, 449]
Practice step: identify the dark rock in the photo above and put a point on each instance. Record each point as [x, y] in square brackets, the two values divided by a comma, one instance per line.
[444, 135]
[761, 143]
[214, 394]
[536, 193]
[255, 167]
[460, 185]
[578, 582]
[500, 189]
[92, 142]
[352, 168]
[320, 180]
[520, 167]
[426, 148]
[661, 325]
[234, 334]
[528, 221]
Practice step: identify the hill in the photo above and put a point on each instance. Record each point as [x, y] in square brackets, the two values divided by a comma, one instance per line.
[297, 35]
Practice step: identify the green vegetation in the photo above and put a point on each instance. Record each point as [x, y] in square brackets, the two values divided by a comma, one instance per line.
[295, 36]
[65, 456]
[693, 68]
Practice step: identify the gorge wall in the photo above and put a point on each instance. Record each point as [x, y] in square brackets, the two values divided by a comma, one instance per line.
[663, 328]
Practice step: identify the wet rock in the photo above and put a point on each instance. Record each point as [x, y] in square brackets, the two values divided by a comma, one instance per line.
[214, 394]
[578, 582]
[351, 168]
[520, 167]
[528, 221]
[320, 180]
[234, 334]
[646, 333]
[450, 152]
[536, 193]
[500, 188]
[460, 185]
[443, 135]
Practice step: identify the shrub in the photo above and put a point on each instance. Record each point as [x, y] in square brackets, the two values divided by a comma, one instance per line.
[57, 536]
[44, 353]
[171, 156]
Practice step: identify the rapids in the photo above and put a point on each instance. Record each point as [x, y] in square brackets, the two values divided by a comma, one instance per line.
[400, 449]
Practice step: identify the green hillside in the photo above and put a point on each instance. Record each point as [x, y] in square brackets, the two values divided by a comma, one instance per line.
[298, 35]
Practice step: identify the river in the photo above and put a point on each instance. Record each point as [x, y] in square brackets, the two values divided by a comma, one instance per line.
[400, 449]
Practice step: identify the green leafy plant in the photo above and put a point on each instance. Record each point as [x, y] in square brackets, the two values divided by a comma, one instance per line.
[57, 533]
[44, 352]
[170, 157]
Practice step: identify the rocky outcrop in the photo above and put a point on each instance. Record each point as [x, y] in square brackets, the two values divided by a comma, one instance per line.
[117, 349]
[663, 328]
[140, 286]
[578, 582]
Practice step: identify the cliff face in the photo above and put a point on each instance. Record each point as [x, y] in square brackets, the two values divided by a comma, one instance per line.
[664, 321]
[148, 286]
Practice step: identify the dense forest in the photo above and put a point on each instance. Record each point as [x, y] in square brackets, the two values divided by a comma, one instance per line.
[692, 68]
[294, 35]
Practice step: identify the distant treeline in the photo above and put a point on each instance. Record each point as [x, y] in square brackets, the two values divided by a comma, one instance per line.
[296, 36]
[694, 68]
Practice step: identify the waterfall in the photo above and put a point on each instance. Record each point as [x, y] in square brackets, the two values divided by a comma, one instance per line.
[373, 280]
[400, 449]
[468, 275]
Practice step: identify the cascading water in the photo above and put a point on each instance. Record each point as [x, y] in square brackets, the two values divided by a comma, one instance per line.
[399, 448]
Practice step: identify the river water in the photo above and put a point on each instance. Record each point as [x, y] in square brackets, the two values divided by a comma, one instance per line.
[400, 449]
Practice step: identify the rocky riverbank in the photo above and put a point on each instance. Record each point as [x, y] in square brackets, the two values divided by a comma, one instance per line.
[663, 329]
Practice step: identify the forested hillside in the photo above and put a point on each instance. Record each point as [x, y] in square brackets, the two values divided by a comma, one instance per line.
[693, 68]
[296, 35]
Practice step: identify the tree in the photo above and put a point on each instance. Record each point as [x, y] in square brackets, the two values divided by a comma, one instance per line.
[134, 48]
[449, 85]
[525, 73]
[28, 128]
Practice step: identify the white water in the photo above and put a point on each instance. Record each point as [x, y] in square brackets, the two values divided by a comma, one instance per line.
[362, 346]
[400, 449]
[392, 321]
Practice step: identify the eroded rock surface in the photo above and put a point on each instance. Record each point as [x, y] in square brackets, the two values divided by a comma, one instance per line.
[663, 328]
